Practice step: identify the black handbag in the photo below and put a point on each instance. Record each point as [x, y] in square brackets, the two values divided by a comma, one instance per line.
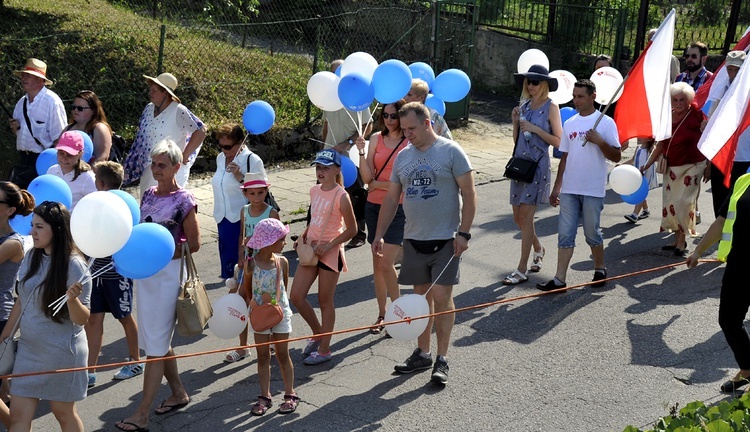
[521, 169]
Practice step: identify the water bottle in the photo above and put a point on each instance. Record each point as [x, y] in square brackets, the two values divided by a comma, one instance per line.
[526, 134]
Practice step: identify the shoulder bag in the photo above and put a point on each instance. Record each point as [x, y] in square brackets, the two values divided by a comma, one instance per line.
[193, 307]
[305, 251]
[267, 315]
[519, 169]
[662, 164]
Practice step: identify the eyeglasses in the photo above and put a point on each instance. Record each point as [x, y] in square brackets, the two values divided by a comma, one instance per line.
[695, 56]
[79, 108]
[390, 116]
[226, 147]
[534, 82]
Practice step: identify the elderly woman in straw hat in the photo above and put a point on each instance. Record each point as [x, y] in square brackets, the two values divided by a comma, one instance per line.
[164, 118]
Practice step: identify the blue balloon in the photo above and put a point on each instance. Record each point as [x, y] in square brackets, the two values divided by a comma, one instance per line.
[22, 224]
[135, 211]
[258, 117]
[45, 160]
[355, 92]
[148, 250]
[348, 171]
[423, 71]
[337, 72]
[451, 85]
[88, 146]
[391, 81]
[51, 188]
[566, 113]
[435, 103]
[639, 195]
[707, 107]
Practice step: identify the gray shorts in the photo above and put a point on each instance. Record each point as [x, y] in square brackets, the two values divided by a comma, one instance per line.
[423, 268]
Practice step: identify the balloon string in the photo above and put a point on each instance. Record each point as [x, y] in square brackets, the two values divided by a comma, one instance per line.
[371, 119]
[354, 329]
[441, 273]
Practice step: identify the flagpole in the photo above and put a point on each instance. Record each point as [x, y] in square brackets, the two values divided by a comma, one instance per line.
[604, 111]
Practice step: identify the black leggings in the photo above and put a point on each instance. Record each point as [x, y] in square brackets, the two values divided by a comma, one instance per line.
[733, 306]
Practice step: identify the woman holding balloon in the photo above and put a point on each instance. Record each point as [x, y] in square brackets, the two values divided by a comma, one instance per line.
[375, 169]
[174, 208]
[685, 167]
[88, 117]
[536, 127]
[50, 340]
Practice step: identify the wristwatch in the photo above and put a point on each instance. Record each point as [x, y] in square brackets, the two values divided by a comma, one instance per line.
[361, 153]
[351, 143]
[465, 235]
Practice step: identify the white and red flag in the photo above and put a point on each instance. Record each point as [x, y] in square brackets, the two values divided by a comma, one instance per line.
[714, 89]
[730, 119]
[644, 109]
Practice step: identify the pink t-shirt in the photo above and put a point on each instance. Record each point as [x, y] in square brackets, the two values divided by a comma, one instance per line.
[324, 227]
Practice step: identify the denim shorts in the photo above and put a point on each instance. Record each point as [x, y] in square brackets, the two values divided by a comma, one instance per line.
[573, 208]
[395, 233]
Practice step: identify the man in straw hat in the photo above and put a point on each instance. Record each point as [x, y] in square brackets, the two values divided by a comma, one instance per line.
[39, 116]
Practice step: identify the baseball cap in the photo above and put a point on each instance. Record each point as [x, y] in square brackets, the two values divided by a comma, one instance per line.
[735, 58]
[70, 142]
[328, 157]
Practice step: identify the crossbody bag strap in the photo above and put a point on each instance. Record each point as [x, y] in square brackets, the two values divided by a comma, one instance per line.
[185, 250]
[17, 325]
[328, 217]
[675, 131]
[377, 172]
[278, 280]
[28, 123]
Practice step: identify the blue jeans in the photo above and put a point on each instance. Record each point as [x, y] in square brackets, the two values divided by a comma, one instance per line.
[572, 209]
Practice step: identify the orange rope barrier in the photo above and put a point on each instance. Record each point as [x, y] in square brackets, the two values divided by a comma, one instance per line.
[355, 329]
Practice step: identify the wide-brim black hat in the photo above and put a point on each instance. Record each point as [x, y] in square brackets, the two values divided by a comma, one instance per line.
[537, 73]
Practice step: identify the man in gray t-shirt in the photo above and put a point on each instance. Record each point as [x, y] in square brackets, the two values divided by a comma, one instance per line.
[436, 178]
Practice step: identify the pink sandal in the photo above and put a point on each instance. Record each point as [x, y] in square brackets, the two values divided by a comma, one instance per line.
[290, 404]
[261, 406]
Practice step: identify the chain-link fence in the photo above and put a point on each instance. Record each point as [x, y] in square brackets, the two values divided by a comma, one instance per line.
[225, 54]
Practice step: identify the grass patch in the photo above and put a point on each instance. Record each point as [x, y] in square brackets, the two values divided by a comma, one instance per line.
[107, 48]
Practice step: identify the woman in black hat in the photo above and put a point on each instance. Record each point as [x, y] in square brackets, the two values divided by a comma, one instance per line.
[536, 126]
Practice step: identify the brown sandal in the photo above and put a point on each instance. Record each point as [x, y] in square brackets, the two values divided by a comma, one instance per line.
[261, 406]
[379, 328]
[290, 404]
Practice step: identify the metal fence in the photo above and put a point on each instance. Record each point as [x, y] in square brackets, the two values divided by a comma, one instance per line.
[224, 58]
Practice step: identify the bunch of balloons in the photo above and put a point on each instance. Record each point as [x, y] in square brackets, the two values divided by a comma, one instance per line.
[360, 80]
[628, 181]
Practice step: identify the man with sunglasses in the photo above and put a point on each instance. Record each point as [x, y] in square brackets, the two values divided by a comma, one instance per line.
[38, 119]
[695, 59]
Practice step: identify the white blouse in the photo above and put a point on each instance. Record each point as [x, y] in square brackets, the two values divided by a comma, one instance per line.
[80, 187]
[228, 197]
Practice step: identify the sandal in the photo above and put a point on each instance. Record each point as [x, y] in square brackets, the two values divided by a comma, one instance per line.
[379, 328]
[261, 406]
[537, 262]
[515, 278]
[290, 404]
[234, 357]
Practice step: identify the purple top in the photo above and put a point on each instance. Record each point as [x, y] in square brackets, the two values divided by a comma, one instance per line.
[168, 211]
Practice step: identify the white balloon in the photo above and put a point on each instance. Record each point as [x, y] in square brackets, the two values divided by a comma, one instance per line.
[354, 153]
[101, 224]
[625, 179]
[231, 283]
[322, 89]
[531, 57]
[565, 84]
[230, 316]
[361, 63]
[410, 305]
[607, 81]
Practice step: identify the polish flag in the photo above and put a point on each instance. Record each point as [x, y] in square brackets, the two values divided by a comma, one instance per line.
[730, 119]
[644, 109]
[710, 92]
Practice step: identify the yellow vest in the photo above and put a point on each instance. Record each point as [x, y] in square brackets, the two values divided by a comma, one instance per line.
[725, 245]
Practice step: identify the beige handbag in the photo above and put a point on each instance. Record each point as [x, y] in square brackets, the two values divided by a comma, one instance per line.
[305, 250]
[193, 306]
[661, 165]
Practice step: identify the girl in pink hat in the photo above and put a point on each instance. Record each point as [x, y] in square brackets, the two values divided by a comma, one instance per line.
[71, 168]
[266, 282]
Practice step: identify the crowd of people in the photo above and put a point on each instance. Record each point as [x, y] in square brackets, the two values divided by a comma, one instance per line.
[417, 208]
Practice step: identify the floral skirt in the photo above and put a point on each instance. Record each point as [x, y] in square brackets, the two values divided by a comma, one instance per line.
[680, 193]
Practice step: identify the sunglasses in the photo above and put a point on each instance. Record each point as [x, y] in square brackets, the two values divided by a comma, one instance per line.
[49, 205]
[695, 56]
[3, 202]
[227, 147]
[390, 116]
[534, 82]
[79, 108]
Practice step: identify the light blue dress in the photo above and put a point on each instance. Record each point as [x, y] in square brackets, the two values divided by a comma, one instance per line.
[535, 149]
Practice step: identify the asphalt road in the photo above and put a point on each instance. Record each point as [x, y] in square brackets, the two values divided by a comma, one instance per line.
[585, 360]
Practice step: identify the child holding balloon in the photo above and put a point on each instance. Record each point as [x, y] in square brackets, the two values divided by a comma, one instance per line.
[332, 223]
[71, 168]
[265, 282]
[255, 188]
[645, 146]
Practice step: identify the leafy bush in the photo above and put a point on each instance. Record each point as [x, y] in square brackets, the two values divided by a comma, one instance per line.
[727, 416]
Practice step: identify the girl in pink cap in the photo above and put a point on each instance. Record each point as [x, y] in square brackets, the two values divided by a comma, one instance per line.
[71, 168]
[265, 282]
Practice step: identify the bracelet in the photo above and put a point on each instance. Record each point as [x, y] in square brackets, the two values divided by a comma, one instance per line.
[362, 154]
